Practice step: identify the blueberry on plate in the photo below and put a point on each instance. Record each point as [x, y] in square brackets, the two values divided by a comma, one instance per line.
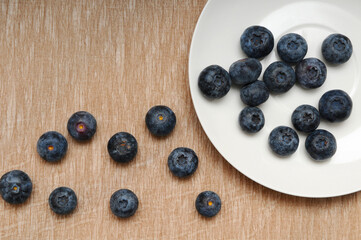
[311, 73]
[214, 82]
[321, 144]
[251, 119]
[15, 187]
[255, 93]
[335, 105]
[257, 41]
[245, 71]
[208, 203]
[292, 48]
[305, 118]
[82, 126]
[279, 77]
[63, 200]
[124, 203]
[182, 162]
[122, 147]
[337, 48]
[160, 120]
[52, 146]
[283, 140]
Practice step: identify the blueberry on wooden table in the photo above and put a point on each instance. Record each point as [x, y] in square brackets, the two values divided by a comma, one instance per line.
[255, 93]
[305, 118]
[245, 71]
[52, 146]
[283, 140]
[15, 187]
[257, 41]
[63, 200]
[335, 106]
[182, 162]
[122, 147]
[279, 77]
[208, 203]
[82, 126]
[160, 120]
[124, 203]
[292, 48]
[337, 48]
[311, 73]
[214, 82]
[251, 119]
[321, 144]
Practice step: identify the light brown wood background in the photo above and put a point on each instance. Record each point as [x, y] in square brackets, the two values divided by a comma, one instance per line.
[116, 59]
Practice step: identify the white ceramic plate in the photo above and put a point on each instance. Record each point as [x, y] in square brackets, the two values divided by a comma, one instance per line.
[216, 41]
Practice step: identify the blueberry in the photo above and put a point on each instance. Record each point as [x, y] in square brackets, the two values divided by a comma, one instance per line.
[122, 147]
[311, 73]
[257, 41]
[335, 105]
[283, 140]
[255, 93]
[337, 48]
[182, 162]
[214, 82]
[305, 118]
[52, 146]
[292, 48]
[279, 77]
[251, 119]
[208, 203]
[160, 120]
[62, 200]
[123, 203]
[245, 71]
[321, 144]
[15, 187]
[82, 126]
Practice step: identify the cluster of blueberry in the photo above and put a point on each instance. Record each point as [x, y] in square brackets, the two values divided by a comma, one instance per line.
[279, 77]
[16, 185]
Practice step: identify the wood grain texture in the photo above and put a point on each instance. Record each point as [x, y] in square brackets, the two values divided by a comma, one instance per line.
[116, 59]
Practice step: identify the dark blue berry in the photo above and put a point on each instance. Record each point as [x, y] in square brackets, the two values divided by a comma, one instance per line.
[214, 82]
[321, 144]
[182, 162]
[251, 119]
[245, 71]
[337, 48]
[122, 147]
[52, 146]
[15, 187]
[292, 48]
[123, 203]
[63, 200]
[279, 77]
[311, 73]
[283, 140]
[335, 106]
[208, 203]
[82, 126]
[305, 118]
[257, 41]
[160, 120]
[255, 93]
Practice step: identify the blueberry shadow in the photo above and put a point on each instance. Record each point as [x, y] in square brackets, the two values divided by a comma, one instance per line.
[19, 206]
[64, 216]
[120, 219]
[182, 180]
[123, 164]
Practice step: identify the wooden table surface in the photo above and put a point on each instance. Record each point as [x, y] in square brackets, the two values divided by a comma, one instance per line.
[116, 59]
